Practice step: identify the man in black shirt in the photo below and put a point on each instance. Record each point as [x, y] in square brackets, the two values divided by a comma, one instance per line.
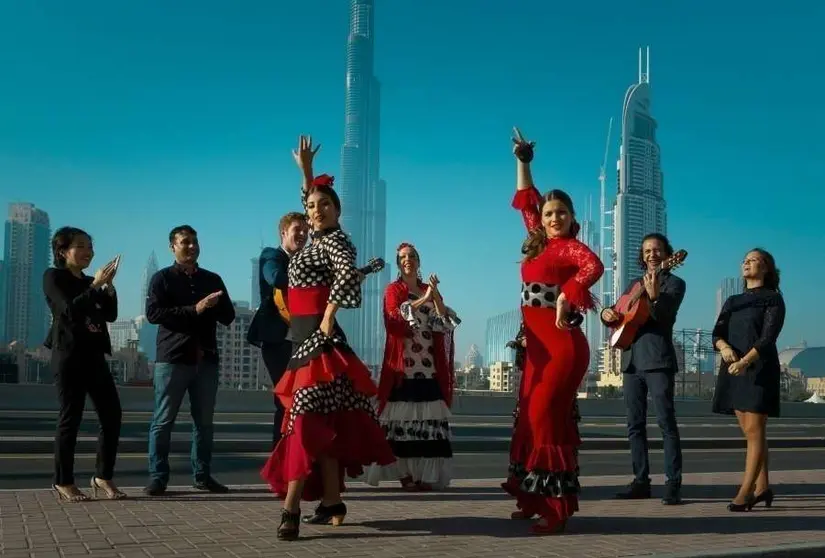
[186, 302]
[649, 366]
[270, 325]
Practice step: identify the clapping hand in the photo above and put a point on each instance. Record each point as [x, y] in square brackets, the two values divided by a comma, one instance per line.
[523, 149]
[105, 275]
[208, 301]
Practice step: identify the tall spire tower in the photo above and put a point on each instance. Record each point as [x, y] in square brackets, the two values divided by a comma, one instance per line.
[363, 193]
[640, 206]
[148, 271]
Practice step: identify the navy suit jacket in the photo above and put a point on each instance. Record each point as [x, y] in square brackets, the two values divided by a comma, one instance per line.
[267, 325]
[652, 348]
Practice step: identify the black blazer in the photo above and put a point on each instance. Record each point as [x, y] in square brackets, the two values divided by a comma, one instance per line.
[267, 325]
[652, 348]
[78, 309]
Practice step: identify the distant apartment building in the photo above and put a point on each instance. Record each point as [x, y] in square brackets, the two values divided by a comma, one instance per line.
[26, 258]
[139, 330]
[504, 377]
[241, 365]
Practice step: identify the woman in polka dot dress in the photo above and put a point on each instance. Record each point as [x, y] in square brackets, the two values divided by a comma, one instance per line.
[330, 425]
[416, 386]
[557, 273]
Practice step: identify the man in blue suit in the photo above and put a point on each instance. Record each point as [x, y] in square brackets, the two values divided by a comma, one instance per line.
[269, 329]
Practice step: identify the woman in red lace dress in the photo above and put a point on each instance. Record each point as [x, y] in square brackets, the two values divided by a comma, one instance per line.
[330, 425]
[557, 273]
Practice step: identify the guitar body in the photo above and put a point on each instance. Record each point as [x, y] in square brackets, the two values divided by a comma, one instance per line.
[281, 304]
[634, 309]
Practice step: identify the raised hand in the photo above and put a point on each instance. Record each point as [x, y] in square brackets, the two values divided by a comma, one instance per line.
[523, 149]
[305, 153]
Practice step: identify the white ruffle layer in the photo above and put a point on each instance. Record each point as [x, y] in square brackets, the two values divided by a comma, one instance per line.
[406, 411]
[435, 471]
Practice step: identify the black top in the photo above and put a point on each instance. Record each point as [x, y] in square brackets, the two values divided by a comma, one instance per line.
[184, 336]
[652, 348]
[751, 320]
[267, 325]
[79, 313]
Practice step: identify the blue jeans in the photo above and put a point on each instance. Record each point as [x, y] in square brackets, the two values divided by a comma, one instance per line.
[171, 382]
[660, 384]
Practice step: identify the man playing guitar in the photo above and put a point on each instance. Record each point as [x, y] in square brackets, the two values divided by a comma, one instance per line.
[270, 325]
[649, 365]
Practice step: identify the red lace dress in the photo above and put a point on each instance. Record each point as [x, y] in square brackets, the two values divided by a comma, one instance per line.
[543, 474]
[326, 391]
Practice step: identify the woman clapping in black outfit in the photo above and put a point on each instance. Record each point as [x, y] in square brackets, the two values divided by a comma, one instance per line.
[79, 340]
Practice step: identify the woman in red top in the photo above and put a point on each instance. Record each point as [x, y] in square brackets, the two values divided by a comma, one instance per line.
[557, 273]
[416, 387]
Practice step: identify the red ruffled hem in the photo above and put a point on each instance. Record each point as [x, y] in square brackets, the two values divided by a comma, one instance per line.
[552, 509]
[544, 458]
[352, 437]
[323, 369]
[526, 198]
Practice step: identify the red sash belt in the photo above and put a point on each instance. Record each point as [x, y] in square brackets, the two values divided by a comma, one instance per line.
[307, 301]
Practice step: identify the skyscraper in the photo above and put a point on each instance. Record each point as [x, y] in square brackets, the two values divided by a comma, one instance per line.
[362, 192]
[727, 288]
[2, 304]
[26, 257]
[148, 272]
[256, 284]
[640, 206]
[592, 325]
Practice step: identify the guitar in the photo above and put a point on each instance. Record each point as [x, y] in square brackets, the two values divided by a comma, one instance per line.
[633, 307]
[279, 296]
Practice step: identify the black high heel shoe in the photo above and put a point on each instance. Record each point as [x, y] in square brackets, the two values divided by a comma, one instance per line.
[746, 507]
[326, 514]
[766, 496]
[290, 526]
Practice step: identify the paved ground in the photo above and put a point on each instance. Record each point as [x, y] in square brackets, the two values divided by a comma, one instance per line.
[35, 471]
[468, 520]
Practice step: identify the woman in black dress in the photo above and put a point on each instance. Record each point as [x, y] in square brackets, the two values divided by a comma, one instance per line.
[748, 382]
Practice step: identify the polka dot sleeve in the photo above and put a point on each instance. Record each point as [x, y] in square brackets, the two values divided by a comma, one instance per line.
[345, 290]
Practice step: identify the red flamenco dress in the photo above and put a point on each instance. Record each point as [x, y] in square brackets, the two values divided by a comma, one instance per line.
[326, 390]
[543, 473]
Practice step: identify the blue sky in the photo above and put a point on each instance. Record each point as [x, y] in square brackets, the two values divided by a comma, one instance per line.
[128, 120]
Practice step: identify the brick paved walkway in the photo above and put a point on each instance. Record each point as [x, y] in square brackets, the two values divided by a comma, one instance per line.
[469, 520]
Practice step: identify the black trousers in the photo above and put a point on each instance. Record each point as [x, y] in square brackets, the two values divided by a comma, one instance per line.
[77, 374]
[276, 357]
[660, 384]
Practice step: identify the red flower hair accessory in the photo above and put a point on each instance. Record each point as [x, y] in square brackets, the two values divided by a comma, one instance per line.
[405, 245]
[323, 180]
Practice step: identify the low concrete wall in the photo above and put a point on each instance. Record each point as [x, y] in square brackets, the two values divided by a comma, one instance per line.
[34, 397]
